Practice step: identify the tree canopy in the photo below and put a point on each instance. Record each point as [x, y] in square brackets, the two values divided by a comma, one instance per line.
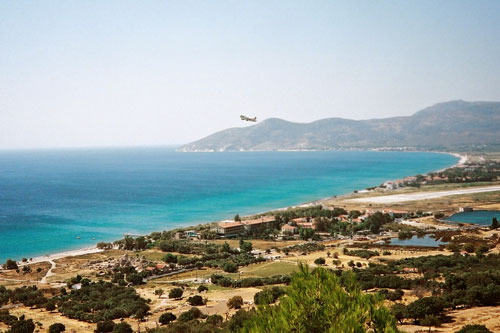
[317, 302]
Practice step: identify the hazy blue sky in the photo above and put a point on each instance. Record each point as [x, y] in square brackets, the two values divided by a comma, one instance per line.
[89, 73]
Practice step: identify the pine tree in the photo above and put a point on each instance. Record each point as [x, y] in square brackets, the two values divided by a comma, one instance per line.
[317, 302]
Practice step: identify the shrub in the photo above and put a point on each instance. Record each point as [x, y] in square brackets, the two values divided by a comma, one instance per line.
[474, 328]
[193, 313]
[170, 258]
[106, 326]
[166, 318]
[229, 267]
[430, 320]
[320, 261]
[453, 247]
[50, 306]
[202, 288]
[483, 248]
[396, 295]
[159, 292]
[123, 327]
[214, 320]
[195, 300]
[135, 278]
[235, 302]
[10, 264]
[22, 326]
[175, 293]
[469, 248]
[268, 295]
[57, 328]
[426, 306]
[400, 312]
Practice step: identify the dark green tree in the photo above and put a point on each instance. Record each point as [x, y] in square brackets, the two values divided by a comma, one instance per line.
[57, 328]
[123, 327]
[235, 302]
[10, 264]
[245, 247]
[166, 318]
[319, 261]
[195, 300]
[106, 326]
[22, 326]
[175, 293]
[494, 223]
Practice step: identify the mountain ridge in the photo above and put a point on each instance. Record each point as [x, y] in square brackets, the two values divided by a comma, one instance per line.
[443, 125]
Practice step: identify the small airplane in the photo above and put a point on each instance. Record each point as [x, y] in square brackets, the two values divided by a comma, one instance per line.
[254, 119]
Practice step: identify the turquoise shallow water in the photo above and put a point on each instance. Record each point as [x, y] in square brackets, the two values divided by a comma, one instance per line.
[49, 198]
[481, 217]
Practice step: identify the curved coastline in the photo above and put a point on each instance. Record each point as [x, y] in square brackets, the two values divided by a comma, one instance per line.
[93, 249]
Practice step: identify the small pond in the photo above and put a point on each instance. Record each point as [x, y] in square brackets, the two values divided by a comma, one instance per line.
[426, 240]
[481, 217]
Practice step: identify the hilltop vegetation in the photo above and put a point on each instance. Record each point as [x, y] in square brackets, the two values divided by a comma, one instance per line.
[457, 124]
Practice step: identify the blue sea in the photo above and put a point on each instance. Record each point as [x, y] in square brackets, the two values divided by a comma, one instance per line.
[48, 198]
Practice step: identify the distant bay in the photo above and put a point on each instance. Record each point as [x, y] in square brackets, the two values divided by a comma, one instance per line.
[48, 198]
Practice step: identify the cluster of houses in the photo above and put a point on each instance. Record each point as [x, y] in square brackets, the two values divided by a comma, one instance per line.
[231, 228]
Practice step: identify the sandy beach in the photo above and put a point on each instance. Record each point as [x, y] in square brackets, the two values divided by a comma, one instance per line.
[64, 254]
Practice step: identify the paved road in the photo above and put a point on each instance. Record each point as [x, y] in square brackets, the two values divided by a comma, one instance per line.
[424, 195]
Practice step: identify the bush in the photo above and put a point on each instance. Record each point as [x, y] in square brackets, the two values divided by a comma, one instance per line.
[268, 295]
[166, 318]
[396, 295]
[170, 258]
[135, 278]
[229, 267]
[453, 247]
[195, 300]
[214, 320]
[400, 312]
[193, 313]
[430, 320]
[106, 326]
[235, 302]
[320, 261]
[57, 328]
[175, 293]
[202, 288]
[50, 306]
[10, 264]
[483, 248]
[474, 328]
[123, 327]
[426, 306]
[469, 248]
[22, 326]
